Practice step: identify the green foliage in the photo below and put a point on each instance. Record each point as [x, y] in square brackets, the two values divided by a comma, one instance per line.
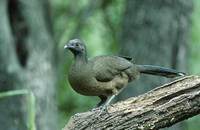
[13, 93]
[194, 61]
[31, 111]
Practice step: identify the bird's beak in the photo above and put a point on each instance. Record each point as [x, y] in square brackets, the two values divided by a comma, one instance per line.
[66, 47]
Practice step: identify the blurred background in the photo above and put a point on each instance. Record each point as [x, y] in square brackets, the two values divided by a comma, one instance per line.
[35, 93]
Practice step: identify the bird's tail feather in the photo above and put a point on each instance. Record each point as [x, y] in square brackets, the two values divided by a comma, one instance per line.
[157, 70]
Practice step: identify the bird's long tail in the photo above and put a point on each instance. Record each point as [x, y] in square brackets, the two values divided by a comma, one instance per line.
[157, 70]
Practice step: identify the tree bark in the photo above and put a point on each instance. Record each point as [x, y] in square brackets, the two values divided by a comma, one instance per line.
[40, 69]
[10, 108]
[158, 108]
[27, 62]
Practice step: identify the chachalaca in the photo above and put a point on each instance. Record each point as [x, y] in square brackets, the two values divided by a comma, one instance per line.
[106, 76]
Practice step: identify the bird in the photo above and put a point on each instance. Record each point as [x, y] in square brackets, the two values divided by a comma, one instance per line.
[106, 76]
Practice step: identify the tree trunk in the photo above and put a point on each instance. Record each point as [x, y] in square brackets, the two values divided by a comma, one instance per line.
[10, 108]
[27, 61]
[155, 32]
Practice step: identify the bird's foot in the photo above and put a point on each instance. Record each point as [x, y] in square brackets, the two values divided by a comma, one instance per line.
[97, 108]
[105, 106]
[103, 109]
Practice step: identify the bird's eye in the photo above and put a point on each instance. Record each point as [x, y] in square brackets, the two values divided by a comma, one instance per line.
[76, 45]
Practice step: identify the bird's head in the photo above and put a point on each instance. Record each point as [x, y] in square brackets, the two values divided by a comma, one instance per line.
[76, 46]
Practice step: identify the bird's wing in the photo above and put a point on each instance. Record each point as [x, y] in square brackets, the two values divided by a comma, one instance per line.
[126, 57]
[107, 67]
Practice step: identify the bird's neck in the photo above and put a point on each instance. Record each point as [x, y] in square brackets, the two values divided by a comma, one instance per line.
[81, 58]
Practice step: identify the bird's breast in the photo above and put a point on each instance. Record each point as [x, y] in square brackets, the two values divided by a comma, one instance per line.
[81, 81]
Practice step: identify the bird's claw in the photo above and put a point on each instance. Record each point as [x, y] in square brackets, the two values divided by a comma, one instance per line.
[103, 109]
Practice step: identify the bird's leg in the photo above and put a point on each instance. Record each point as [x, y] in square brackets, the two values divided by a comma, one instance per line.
[108, 102]
[104, 107]
[100, 104]
[103, 100]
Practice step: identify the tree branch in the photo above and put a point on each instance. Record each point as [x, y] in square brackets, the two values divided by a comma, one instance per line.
[158, 108]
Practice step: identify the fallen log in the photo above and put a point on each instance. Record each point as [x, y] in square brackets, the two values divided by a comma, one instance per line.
[158, 108]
